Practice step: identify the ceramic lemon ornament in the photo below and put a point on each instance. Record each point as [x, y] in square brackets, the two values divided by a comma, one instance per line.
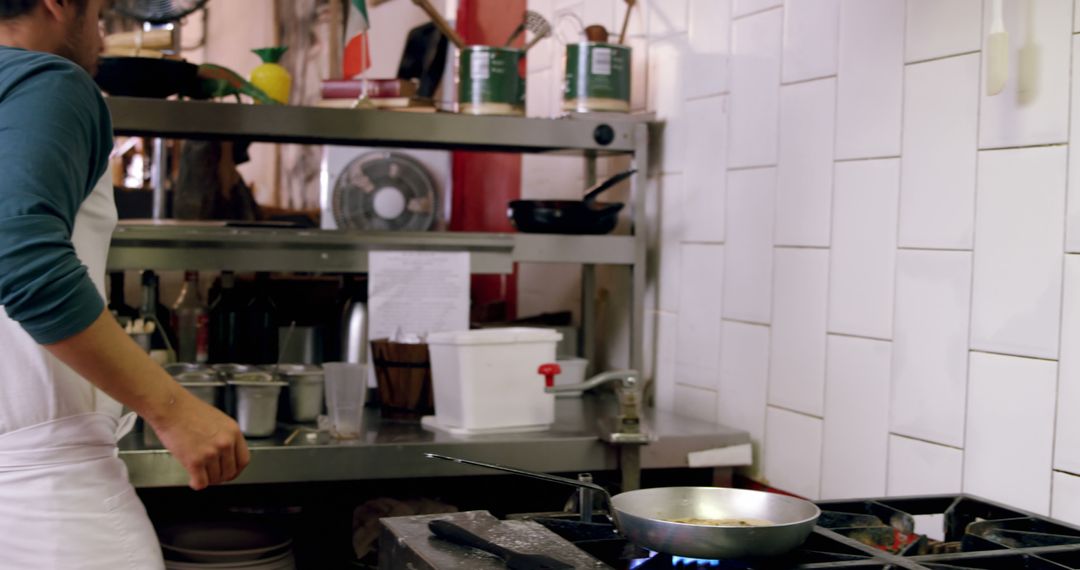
[271, 77]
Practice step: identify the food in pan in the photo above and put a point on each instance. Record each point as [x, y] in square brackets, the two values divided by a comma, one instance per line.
[723, 522]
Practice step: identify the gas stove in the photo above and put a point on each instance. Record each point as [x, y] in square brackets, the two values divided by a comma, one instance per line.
[938, 533]
[950, 532]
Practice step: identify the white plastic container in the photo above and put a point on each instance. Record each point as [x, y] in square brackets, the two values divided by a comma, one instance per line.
[486, 380]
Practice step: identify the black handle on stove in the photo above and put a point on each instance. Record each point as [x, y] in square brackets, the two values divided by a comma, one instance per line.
[454, 533]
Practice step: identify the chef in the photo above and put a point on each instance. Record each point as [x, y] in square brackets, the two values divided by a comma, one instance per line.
[66, 367]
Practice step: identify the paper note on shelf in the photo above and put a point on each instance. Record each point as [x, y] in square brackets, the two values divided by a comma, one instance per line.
[417, 292]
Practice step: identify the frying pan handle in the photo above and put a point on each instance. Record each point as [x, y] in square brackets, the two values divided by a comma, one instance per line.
[541, 476]
[454, 533]
[607, 184]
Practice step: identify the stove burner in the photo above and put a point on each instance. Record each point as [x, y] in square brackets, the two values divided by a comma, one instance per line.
[954, 532]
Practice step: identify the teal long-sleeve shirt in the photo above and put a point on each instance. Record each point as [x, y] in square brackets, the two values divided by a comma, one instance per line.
[55, 140]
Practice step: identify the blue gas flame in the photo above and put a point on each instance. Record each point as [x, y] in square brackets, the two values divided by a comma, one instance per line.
[697, 562]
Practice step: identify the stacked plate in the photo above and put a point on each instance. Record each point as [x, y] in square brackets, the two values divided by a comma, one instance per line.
[232, 545]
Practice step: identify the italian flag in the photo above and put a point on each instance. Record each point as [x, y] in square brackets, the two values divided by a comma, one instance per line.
[357, 51]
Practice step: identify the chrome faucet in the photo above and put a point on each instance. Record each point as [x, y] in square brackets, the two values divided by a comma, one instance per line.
[624, 431]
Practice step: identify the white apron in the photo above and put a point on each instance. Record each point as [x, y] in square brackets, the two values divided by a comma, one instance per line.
[65, 498]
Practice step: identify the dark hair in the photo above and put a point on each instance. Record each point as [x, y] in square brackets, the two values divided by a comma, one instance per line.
[14, 8]
[11, 9]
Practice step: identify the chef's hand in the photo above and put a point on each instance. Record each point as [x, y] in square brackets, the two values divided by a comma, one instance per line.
[205, 441]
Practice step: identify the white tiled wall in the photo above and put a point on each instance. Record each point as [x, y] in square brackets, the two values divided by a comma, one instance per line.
[859, 256]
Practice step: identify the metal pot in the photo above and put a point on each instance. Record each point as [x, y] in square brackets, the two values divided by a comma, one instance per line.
[306, 388]
[257, 396]
[204, 385]
[647, 517]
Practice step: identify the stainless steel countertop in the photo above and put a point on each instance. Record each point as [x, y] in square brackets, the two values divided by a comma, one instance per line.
[396, 450]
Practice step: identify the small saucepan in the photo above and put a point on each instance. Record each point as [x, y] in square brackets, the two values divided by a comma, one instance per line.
[570, 216]
[698, 522]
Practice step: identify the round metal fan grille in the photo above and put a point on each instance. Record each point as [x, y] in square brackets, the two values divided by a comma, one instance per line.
[157, 11]
[385, 191]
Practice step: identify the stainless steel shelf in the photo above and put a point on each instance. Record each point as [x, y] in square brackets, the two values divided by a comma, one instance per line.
[310, 125]
[208, 248]
[396, 450]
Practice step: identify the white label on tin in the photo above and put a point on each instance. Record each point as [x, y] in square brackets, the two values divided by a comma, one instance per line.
[601, 61]
[480, 65]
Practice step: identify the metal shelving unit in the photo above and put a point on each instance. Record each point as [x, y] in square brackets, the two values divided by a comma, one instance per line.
[204, 247]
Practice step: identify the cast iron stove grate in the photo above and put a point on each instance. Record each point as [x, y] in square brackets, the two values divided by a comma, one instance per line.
[950, 532]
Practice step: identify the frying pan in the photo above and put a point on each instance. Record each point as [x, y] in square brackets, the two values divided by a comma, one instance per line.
[645, 517]
[570, 216]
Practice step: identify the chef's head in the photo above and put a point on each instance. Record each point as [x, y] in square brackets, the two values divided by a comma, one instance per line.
[67, 28]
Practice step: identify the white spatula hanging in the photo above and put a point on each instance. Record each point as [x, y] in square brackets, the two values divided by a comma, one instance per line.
[997, 52]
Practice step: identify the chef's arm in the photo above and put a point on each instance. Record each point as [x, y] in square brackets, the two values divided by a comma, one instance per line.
[205, 441]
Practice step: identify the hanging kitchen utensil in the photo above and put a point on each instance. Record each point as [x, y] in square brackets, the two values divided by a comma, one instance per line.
[157, 11]
[541, 30]
[997, 51]
[626, 20]
[438, 20]
[532, 22]
[514, 560]
[696, 522]
[585, 216]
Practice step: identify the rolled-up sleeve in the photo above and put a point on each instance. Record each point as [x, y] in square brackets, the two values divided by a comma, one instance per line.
[55, 136]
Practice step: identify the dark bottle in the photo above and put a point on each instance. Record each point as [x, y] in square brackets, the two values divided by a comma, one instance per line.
[259, 344]
[152, 309]
[225, 327]
[189, 317]
[123, 312]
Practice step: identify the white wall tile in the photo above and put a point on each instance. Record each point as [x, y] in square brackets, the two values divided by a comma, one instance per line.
[710, 48]
[939, 28]
[698, 355]
[797, 356]
[538, 95]
[863, 258]
[749, 247]
[696, 403]
[871, 77]
[1010, 430]
[744, 378]
[856, 433]
[804, 191]
[921, 468]
[930, 345]
[1019, 229]
[793, 453]
[601, 12]
[666, 339]
[540, 57]
[667, 248]
[743, 7]
[755, 89]
[666, 68]
[706, 157]
[810, 30]
[1065, 505]
[1076, 16]
[1072, 229]
[937, 198]
[1067, 444]
[668, 17]
[1009, 119]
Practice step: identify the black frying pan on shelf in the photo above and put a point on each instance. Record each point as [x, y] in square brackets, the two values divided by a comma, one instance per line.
[570, 216]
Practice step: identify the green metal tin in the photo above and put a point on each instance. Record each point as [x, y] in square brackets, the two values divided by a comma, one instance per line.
[490, 81]
[597, 78]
